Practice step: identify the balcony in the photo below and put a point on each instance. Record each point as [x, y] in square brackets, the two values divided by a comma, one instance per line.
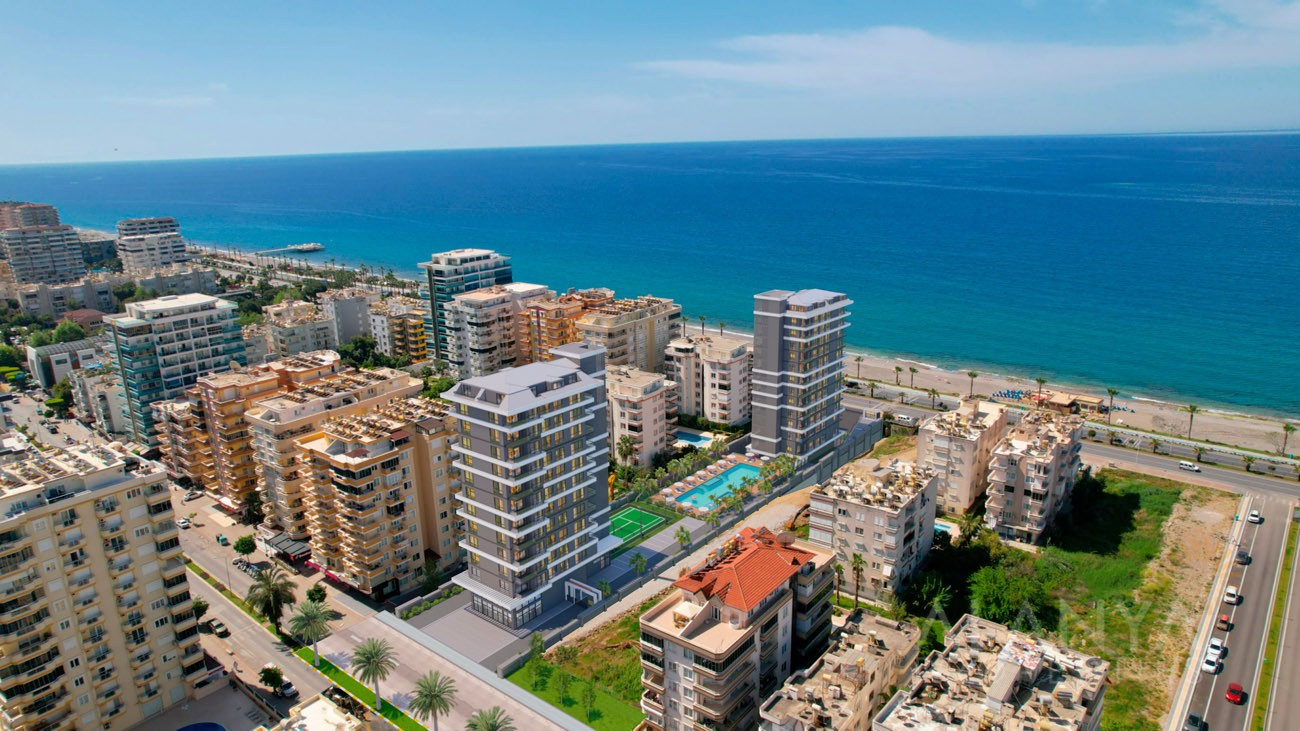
[652, 700]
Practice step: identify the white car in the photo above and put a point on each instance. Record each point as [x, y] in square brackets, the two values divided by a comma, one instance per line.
[1255, 517]
[1231, 595]
[1209, 665]
[1214, 650]
[183, 523]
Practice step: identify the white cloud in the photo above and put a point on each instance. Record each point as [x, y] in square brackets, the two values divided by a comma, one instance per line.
[892, 61]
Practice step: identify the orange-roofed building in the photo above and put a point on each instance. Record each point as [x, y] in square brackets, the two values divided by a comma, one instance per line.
[736, 627]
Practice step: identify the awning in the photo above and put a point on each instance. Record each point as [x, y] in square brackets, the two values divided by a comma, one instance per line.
[287, 546]
[227, 504]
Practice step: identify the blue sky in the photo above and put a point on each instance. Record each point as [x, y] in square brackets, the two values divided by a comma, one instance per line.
[132, 80]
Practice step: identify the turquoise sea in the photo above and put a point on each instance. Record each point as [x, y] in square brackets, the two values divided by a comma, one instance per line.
[1166, 266]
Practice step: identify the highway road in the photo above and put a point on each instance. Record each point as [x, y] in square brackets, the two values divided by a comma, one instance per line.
[1236, 481]
[250, 646]
[1248, 632]
[1284, 702]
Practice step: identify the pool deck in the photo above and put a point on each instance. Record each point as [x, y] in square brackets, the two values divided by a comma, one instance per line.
[670, 494]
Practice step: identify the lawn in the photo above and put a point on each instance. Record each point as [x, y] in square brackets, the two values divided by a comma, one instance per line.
[609, 712]
[892, 445]
[668, 516]
[359, 691]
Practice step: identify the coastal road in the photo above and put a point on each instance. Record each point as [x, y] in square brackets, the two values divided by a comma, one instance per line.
[1249, 619]
[249, 647]
[1284, 702]
[1239, 482]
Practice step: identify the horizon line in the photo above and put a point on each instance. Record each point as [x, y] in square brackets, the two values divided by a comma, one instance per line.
[1280, 131]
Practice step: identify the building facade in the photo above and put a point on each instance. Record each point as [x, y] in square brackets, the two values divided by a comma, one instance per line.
[296, 327]
[162, 346]
[147, 226]
[1032, 472]
[732, 631]
[633, 332]
[397, 324]
[280, 419]
[143, 254]
[94, 292]
[483, 327]
[713, 375]
[99, 400]
[550, 323]
[883, 514]
[179, 280]
[642, 408]
[99, 626]
[798, 383]
[16, 214]
[989, 676]
[451, 273]
[96, 247]
[52, 363]
[50, 254]
[957, 445]
[349, 310]
[533, 458]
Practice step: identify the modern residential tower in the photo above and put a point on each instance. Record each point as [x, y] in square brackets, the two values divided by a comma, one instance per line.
[451, 273]
[713, 376]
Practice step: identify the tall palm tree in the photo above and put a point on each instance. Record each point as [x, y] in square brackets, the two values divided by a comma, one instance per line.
[969, 525]
[839, 580]
[1112, 392]
[1287, 431]
[702, 319]
[972, 375]
[1041, 382]
[1155, 446]
[911, 378]
[713, 519]
[626, 448]
[311, 623]
[934, 396]
[721, 325]
[493, 719]
[1192, 410]
[638, 563]
[373, 660]
[1247, 461]
[898, 375]
[435, 695]
[858, 565]
[871, 386]
[858, 359]
[270, 593]
[1199, 451]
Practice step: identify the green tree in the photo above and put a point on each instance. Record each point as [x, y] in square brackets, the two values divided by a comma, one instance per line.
[436, 386]
[1112, 393]
[626, 449]
[683, 537]
[435, 695]
[562, 682]
[1004, 594]
[871, 386]
[588, 699]
[858, 360]
[311, 623]
[970, 525]
[1155, 446]
[858, 564]
[536, 646]
[316, 593]
[911, 376]
[713, 519]
[566, 655]
[1247, 460]
[372, 661]
[69, 331]
[972, 375]
[638, 563]
[1199, 451]
[245, 545]
[200, 608]
[271, 676]
[933, 393]
[1287, 431]
[702, 319]
[492, 719]
[1041, 382]
[1192, 410]
[39, 338]
[604, 587]
[839, 580]
[10, 357]
[270, 594]
[898, 375]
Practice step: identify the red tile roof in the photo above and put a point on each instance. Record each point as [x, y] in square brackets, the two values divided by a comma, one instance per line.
[757, 566]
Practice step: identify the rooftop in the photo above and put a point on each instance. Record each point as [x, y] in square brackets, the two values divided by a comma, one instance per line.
[346, 293]
[342, 384]
[172, 302]
[503, 292]
[38, 478]
[628, 309]
[518, 389]
[1040, 433]
[633, 381]
[397, 305]
[969, 421]
[45, 351]
[866, 482]
[990, 676]
[294, 312]
[712, 345]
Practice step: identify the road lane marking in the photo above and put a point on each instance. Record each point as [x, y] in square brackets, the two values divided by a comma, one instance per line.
[1232, 613]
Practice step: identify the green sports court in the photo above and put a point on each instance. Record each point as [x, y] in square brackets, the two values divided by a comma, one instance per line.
[629, 523]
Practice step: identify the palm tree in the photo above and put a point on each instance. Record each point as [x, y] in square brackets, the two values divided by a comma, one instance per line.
[898, 374]
[1041, 382]
[934, 396]
[493, 719]
[435, 695]
[638, 563]
[1155, 446]
[1247, 460]
[969, 525]
[858, 359]
[270, 593]
[683, 537]
[721, 325]
[604, 587]
[871, 386]
[1112, 392]
[911, 378]
[858, 565]
[311, 623]
[702, 319]
[373, 660]
[713, 519]
[972, 375]
[626, 448]
[839, 580]
[1287, 431]
[1199, 451]
[1192, 410]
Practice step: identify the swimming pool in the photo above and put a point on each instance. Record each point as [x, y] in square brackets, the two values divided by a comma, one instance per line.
[695, 440]
[708, 492]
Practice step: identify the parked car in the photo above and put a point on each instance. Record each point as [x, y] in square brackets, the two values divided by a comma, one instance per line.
[1231, 595]
[183, 523]
[1236, 694]
[1224, 623]
[1255, 517]
[219, 628]
[1215, 648]
[1193, 722]
[287, 690]
[1243, 556]
[1209, 665]
[192, 495]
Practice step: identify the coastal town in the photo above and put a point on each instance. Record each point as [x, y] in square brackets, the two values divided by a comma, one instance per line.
[263, 491]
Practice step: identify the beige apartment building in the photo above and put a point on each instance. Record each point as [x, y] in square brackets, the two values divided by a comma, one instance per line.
[50, 254]
[643, 408]
[547, 324]
[482, 327]
[713, 374]
[349, 310]
[143, 254]
[295, 327]
[279, 420]
[989, 676]
[397, 324]
[883, 513]
[842, 690]
[147, 226]
[733, 630]
[957, 446]
[98, 628]
[99, 398]
[368, 477]
[257, 344]
[17, 214]
[634, 332]
[1032, 472]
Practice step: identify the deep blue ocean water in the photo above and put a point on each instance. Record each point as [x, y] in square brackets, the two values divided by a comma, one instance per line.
[1165, 266]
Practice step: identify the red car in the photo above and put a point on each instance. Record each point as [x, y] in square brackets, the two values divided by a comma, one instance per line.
[1236, 694]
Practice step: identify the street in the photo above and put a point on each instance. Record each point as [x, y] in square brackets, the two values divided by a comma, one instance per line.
[1284, 704]
[1232, 480]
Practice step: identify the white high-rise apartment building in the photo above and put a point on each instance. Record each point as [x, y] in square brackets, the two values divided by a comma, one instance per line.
[633, 332]
[643, 408]
[1032, 472]
[148, 226]
[483, 328]
[143, 254]
[451, 273]
[798, 383]
[98, 627]
[349, 310]
[712, 373]
[957, 445]
[162, 346]
[296, 327]
[49, 254]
